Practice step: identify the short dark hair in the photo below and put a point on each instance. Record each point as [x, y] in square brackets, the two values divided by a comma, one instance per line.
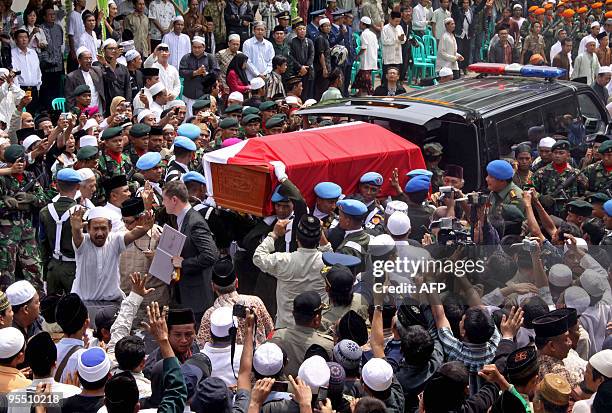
[478, 326]
[178, 152]
[417, 197]
[396, 15]
[342, 299]
[63, 186]
[595, 228]
[121, 393]
[334, 75]
[307, 242]
[533, 307]
[370, 405]
[177, 189]
[278, 61]
[501, 26]
[392, 68]
[568, 40]
[416, 345]
[95, 385]
[129, 352]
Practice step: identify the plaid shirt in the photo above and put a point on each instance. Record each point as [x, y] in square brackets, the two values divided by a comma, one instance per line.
[474, 356]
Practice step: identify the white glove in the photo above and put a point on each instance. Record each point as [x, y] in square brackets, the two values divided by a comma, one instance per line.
[280, 170]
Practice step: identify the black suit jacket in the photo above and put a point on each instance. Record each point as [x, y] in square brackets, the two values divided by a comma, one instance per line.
[75, 78]
[199, 254]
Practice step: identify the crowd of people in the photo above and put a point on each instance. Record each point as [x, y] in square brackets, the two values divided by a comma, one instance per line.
[429, 299]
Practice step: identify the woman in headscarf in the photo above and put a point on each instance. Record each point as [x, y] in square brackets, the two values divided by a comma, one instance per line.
[237, 80]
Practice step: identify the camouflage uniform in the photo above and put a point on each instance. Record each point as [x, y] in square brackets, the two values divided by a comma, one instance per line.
[546, 180]
[521, 182]
[510, 195]
[599, 179]
[433, 150]
[108, 168]
[18, 236]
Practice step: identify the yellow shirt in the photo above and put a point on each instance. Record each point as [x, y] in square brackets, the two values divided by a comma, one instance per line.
[11, 379]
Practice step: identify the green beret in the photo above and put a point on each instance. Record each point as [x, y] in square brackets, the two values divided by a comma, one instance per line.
[13, 152]
[274, 121]
[140, 130]
[598, 198]
[561, 145]
[580, 207]
[235, 108]
[605, 147]
[110, 133]
[80, 89]
[433, 149]
[268, 105]
[87, 153]
[250, 118]
[250, 110]
[228, 123]
[201, 104]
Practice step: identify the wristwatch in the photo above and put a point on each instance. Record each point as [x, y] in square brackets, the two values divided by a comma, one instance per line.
[378, 307]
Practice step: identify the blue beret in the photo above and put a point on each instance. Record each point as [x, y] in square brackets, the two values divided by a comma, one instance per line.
[277, 197]
[188, 130]
[193, 176]
[148, 161]
[608, 207]
[68, 175]
[499, 169]
[417, 184]
[332, 258]
[417, 172]
[373, 178]
[327, 190]
[185, 143]
[352, 207]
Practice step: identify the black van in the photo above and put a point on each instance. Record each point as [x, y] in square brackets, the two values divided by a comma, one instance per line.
[477, 119]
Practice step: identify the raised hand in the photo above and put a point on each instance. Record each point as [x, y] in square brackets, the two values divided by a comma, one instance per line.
[138, 284]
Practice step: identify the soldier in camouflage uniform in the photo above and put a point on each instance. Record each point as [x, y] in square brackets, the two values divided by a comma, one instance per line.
[139, 142]
[113, 161]
[549, 179]
[599, 174]
[20, 194]
[432, 152]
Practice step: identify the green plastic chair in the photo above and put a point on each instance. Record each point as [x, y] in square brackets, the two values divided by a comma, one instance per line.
[356, 65]
[431, 48]
[59, 104]
[422, 67]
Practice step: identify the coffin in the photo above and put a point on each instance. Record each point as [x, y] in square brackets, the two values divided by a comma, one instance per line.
[241, 178]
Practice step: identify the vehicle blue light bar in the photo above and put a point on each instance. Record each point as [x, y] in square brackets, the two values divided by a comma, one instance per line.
[515, 69]
[542, 71]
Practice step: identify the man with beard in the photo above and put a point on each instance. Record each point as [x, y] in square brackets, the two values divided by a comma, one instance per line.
[97, 253]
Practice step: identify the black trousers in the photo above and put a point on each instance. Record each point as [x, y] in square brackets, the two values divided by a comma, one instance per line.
[51, 89]
[464, 49]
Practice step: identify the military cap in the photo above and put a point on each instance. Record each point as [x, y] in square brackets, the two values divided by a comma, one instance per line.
[148, 161]
[268, 105]
[277, 196]
[520, 148]
[140, 130]
[223, 272]
[417, 184]
[454, 171]
[555, 389]
[580, 207]
[339, 13]
[352, 207]
[372, 178]
[417, 172]
[251, 118]
[150, 71]
[432, 149]
[13, 152]
[115, 182]
[189, 130]
[87, 153]
[499, 169]
[110, 133]
[235, 108]
[185, 143]
[353, 327]
[228, 122]
[68, 175]
[550, 325]
[200, 104]
[297, 22]
[607, 206]
[605, 147]
[193, 176]
[561, 145]
[339, 278]
[327, 190]
[282, 15]
[522, 363]
[409, 313]
[307, 303]
[309, 227]
[274, 122]
[333, 258]
[250, 110]
[132, 207]
[81, 89]
[598, 198]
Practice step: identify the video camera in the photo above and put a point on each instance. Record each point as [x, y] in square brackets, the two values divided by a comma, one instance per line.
[477, 199]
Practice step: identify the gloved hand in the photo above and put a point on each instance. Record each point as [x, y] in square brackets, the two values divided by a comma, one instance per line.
[25, 197]
[280, 170]
[10, 202]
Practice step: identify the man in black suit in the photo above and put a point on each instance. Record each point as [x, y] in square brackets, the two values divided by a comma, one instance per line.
[199, 252]
[86, 74]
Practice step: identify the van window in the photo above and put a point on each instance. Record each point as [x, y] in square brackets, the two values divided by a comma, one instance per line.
[593, 121]
[513, 130]
[557, 114]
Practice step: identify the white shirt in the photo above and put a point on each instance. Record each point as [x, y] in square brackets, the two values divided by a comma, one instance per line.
[75, 27]
[61, 389]
[368, 60]
[91, 42]
[179, 46]
[163, 12]
[168, 75]
[437, 19]
[220, 362]
[392, 45]
[447, 52]
[29, 65]
[97, 268]
[419, 18]
[181, 216]
[114, 214]
[582, 406]
[89, 82]
[583, 42]
[260, 56]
